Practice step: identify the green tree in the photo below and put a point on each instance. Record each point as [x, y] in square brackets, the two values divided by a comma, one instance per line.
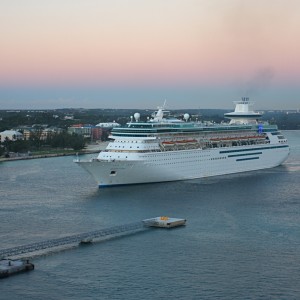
[36, 138]
[77, 142]
[65, 140]
[20, 146]
[7, 143]
[2, 150]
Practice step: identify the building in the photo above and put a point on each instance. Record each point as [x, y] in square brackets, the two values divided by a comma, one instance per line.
[81, 129]
[12, 135]
[96, 133]
[41, 133]
[86, 130]
[48, 132]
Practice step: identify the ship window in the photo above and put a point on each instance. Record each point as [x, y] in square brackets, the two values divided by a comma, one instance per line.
[113, 173]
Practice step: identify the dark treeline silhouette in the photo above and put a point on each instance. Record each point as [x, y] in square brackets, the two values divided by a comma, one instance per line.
[55, 141]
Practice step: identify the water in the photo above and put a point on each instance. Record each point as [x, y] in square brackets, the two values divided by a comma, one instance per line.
[242, 239]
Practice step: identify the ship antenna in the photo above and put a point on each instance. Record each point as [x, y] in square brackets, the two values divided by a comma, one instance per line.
[165, 102]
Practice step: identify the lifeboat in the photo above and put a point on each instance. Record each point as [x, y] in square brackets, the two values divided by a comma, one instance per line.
[168, 143]
[182, 142]
[237, 138]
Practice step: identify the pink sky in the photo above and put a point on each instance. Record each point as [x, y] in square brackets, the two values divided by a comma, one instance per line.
[134, 43]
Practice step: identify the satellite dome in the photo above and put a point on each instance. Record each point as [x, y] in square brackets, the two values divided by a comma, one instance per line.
[137, 117]
[186, 116]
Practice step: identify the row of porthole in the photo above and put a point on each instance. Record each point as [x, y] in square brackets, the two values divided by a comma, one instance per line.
[153, 147]
[175, 158]
[181, 157]
[192, 163]
[116, 143]
[134, 150]
[128, 142]
[185, 161]
[124, 147]
[113, 157]
[180, 161]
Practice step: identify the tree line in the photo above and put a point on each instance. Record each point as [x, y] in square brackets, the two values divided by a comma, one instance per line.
[35, 143]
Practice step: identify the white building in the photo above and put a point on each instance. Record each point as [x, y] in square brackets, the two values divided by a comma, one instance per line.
[12, 135]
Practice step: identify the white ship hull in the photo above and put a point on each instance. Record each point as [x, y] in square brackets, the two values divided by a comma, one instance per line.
[185, 164]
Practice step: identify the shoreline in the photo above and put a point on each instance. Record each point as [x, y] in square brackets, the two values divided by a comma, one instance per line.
[4, 159]
[89, 150]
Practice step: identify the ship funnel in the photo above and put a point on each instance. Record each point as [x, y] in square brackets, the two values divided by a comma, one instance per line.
[242, 113]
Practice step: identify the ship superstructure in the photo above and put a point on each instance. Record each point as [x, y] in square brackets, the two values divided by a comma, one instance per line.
[167, 149]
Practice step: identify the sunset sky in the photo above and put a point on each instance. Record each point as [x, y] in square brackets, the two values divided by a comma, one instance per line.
[137, 53]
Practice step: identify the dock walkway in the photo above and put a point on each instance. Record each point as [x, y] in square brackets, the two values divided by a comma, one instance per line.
[72, 239]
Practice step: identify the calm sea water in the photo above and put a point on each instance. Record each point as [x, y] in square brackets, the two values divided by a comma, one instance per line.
[242, 239]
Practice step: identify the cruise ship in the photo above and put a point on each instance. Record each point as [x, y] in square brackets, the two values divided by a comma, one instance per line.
[164, 148]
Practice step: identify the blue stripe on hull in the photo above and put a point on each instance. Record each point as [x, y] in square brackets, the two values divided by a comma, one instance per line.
[254, 149]
[244, 154]
[249, 158]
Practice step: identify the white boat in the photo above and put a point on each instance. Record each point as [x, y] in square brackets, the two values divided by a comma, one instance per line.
[163, 149]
